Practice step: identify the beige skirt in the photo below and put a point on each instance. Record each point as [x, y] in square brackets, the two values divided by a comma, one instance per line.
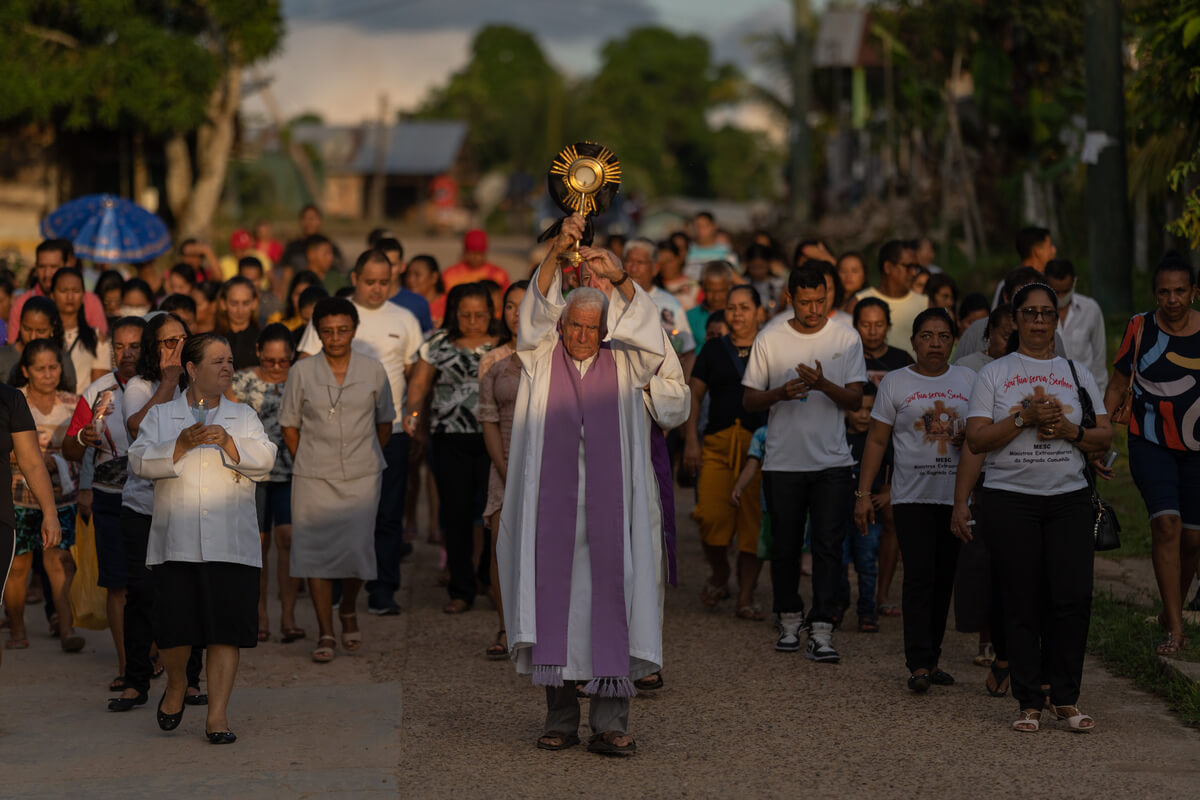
[333, 527]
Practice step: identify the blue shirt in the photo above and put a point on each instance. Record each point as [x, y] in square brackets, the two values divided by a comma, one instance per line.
[419, 306]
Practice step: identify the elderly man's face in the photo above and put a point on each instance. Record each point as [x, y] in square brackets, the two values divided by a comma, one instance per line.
[581, 332]
[592, 280]
[640, 267]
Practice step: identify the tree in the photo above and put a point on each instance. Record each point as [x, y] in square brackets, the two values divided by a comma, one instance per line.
[168, 68]
[511, 98]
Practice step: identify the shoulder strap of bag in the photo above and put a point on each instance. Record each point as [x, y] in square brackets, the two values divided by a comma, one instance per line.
[1086, 411]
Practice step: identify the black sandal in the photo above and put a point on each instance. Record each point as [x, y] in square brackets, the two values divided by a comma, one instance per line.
[565, 740]
[1000, 676]
[603, 744]
[497, 651]
[649, 683]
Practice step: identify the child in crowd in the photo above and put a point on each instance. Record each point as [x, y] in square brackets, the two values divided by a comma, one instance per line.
[754, 462]
[863, 551]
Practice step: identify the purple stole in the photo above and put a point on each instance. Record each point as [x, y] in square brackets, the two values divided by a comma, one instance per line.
[590, 403]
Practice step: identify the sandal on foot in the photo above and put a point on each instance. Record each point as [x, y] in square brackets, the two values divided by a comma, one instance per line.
[564, 741]
[16, 644]
[456, 606]
[264, 635]
[889, 610]
[1074, 717]
[351, 640]
[292, 634]
[1029, 721]
[605, 744]
[711, 595]
[649, 683]
[1001, 678]
[498, 650]
[752, 612]
[1171, 645]
[323, 654]
[987, 655]
[868, 625]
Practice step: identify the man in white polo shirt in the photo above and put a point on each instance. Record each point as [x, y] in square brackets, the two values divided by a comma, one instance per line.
[807, 373]
[391, 335]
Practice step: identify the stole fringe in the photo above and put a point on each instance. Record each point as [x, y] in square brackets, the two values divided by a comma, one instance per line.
[610, 687]
[547, 675]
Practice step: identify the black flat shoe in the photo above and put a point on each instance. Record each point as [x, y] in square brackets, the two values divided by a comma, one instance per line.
[127, 703]
[940, 678]
[221, 737]
[919, 684]
[169, 722]
[195, 699]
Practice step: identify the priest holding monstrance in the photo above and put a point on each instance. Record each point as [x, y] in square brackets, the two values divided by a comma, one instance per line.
[580, 548]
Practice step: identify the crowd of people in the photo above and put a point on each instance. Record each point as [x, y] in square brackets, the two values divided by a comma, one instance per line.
[825, 414]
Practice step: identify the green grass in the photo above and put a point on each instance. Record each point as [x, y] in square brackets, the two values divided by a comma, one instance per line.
[1123, 641]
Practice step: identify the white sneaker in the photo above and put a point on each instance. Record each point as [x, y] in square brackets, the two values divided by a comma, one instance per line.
[789, 632]
[820, 644]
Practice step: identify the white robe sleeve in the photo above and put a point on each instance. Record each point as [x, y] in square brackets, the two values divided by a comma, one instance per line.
[667, 397]
[256, 453]
[634, 329]
[537, 320]
[152, 454]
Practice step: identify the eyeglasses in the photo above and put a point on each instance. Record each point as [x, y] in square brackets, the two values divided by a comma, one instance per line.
[171, 341]
[1030, 314]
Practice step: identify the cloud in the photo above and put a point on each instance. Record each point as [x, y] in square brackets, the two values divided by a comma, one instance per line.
[554, 19]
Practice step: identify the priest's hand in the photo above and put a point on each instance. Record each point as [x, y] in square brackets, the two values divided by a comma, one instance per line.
[570, 232]
[600, 262]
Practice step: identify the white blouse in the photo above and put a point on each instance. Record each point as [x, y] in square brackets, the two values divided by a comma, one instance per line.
[203, 504]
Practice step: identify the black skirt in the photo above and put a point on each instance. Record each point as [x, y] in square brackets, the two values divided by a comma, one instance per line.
[198, 604]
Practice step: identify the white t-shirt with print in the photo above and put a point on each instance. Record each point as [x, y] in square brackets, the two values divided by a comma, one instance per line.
[925, 414]
[806, 434]
[138, 493]
[674, 320]
[389, 334]
[1026, 464]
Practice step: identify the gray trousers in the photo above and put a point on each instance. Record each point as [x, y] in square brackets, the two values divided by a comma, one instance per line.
[604, 713]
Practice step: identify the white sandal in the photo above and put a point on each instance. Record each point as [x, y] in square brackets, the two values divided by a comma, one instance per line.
[1074, 721]
[1029, 717]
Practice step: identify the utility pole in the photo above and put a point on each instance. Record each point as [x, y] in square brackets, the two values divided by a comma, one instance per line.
[1110, 249]
[801, 141]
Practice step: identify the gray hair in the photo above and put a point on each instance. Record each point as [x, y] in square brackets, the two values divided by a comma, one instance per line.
[642, 243]
[585, 298]
[717, 269]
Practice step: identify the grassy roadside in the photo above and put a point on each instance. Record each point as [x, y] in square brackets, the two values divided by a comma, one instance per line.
[1123, 641]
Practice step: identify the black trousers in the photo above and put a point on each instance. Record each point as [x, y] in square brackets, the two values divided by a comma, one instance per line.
[389, 523]
[1044, 565]
[828, 495]
[460, 468]
[930, 553]
[139, 607]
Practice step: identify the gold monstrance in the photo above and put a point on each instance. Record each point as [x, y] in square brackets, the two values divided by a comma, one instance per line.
[584, 179]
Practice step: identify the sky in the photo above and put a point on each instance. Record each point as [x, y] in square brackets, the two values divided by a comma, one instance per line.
[339, 56]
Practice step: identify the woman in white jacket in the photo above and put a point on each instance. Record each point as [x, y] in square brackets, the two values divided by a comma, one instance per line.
[204, 453]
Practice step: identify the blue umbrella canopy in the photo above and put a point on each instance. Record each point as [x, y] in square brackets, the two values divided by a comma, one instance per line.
[108, 229]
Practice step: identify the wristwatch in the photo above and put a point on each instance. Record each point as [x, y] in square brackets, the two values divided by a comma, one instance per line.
[1018, 420]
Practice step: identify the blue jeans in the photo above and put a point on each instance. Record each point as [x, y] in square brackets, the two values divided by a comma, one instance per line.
[389, 523]
[863, 552]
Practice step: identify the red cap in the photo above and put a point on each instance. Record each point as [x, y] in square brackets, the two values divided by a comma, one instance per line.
[241, 240]
[475, 241]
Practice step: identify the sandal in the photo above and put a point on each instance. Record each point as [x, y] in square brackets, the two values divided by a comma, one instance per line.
[1000, 676]
[987, 655]
[498, 651]
[1029, 721]
[868, 625]
[752, 612]
[565, 740]
[323, 654]
[1074, 717]
[1171, 646]
[649, 683]
[889, 610]
[16, 644]
[456, 606]
[264, 635]
[351, 640]
[292, 634]
[605, 744]
[711, 595]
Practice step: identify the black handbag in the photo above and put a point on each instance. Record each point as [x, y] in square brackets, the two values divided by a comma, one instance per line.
[1105, 525]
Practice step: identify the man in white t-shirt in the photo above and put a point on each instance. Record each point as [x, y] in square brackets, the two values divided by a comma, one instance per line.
[391, 335]
[807, 373]
[641, 264]
[1080, 322]
[895, 290]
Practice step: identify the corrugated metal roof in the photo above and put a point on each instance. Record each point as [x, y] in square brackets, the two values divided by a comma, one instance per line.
[414, 147]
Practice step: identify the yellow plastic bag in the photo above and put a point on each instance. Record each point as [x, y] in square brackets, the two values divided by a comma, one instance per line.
[88, 599]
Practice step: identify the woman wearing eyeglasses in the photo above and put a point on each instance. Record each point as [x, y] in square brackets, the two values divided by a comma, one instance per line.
[261, 388]
[1025, 413]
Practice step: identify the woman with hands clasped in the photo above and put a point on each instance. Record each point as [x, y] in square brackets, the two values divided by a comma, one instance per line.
[1026, 413]
[204, 454]
[921, 409]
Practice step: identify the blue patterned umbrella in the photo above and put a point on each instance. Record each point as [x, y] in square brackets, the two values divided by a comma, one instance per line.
[108, 230]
